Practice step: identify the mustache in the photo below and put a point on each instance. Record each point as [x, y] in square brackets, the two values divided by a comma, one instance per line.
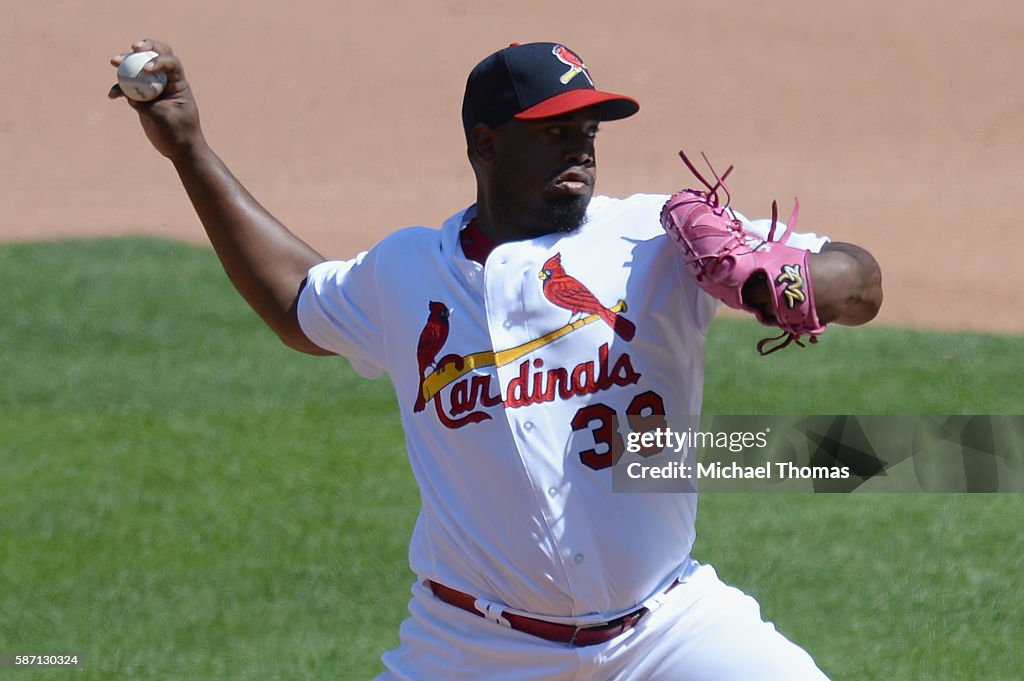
[574, 173]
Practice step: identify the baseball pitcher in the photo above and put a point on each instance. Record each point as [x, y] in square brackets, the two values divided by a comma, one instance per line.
[542, 321]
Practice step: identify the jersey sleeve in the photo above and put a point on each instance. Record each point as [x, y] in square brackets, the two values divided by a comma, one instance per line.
[808, 241]
[339, 310]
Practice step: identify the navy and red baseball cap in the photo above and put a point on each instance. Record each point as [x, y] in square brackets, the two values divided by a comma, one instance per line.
[535, 80]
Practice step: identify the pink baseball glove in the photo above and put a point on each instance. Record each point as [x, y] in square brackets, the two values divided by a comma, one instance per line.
[726, 260]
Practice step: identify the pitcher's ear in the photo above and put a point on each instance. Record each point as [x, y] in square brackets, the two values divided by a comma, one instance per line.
[482, 142]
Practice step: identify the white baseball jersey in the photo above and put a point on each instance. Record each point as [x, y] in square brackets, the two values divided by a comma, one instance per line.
[533, 356]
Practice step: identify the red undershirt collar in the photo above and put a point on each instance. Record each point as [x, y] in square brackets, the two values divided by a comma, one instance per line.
[475, 244]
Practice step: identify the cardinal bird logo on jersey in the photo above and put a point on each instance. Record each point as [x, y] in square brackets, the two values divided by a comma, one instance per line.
[432, 339]
[463, 386]
[567, 292]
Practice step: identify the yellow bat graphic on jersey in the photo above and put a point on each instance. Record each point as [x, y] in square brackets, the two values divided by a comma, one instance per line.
[452, 371]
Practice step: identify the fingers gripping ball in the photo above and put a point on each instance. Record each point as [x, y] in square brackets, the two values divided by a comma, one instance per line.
[724, 258]
[142, 86]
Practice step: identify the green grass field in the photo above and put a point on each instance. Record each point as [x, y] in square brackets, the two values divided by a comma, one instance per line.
[183, 498]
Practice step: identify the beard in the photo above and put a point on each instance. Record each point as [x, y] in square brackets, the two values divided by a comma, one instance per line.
[547, 214]
[566, 214]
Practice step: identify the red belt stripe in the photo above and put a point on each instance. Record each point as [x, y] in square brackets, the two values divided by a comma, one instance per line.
[579, 636]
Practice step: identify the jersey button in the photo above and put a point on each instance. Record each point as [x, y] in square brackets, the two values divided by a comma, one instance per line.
[552, 492]
[508, 324]
[528, 426]
[578, 558]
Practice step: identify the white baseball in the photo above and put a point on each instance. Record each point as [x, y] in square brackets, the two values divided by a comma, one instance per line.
[137, 84]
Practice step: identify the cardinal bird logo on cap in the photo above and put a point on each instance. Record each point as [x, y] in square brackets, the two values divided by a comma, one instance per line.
[568, 292]
[572, 60]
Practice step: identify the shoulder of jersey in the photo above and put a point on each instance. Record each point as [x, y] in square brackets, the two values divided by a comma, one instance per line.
[409, 241]
[638, 214]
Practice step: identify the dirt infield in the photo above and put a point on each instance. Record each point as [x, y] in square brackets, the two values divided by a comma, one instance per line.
[899, 125]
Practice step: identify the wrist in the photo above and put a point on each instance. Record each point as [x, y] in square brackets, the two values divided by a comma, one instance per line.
[190, 153]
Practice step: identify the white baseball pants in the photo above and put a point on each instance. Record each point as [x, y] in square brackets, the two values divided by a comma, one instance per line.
[704, 631]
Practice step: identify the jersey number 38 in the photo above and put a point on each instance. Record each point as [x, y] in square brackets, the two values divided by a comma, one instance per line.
[646, 412]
